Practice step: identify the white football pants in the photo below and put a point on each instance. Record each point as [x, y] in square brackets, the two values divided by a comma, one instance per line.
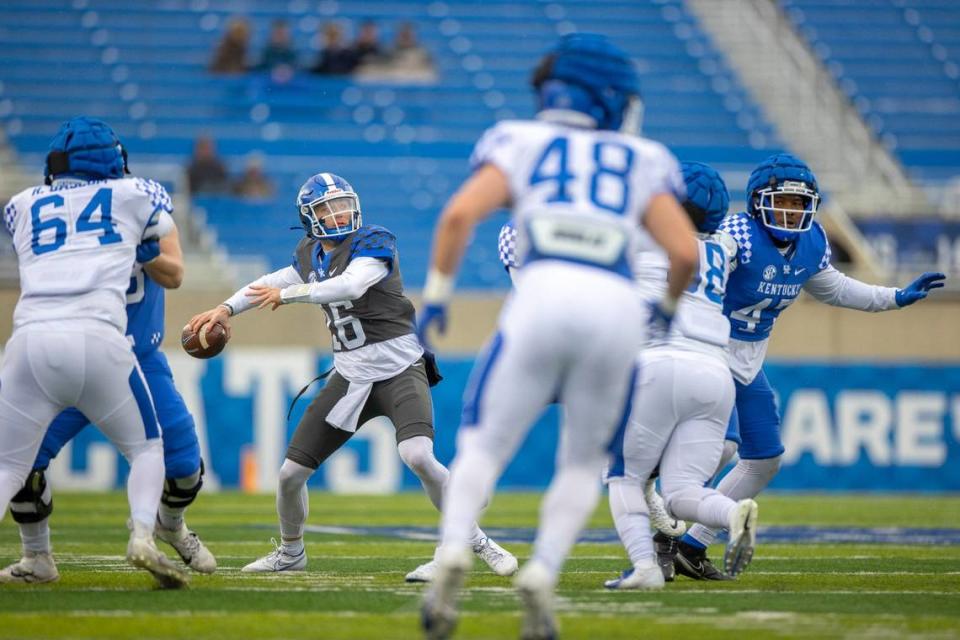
[567, 333]
[681, 408]
[51, 366]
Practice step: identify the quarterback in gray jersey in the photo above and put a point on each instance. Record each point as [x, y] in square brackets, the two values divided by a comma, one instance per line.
[352, 271]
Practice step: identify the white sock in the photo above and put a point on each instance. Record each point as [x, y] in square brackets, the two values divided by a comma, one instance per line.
[145, 483]
[472, 479]
[571, 498]
[293, 505]
[417, 454]
[35, 536]
[746, 480]
[170, 517]
[632, 519]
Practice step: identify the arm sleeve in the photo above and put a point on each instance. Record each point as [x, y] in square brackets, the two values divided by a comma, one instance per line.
[835, 288]
[282, 278]
[360, 275]
[160, 224]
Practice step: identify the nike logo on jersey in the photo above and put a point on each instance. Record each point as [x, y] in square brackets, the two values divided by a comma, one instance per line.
[332, 271]
[799, 270]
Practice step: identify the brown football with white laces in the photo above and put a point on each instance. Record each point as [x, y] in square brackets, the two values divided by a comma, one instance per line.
[206, 343]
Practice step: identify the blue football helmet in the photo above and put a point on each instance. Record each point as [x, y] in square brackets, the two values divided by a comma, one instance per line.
[707, 197]
[323, 198]
[779, 176]
[587, 73]
[85, 148]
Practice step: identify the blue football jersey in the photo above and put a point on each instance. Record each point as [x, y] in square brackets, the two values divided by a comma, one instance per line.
[766, 281]
[144, 312]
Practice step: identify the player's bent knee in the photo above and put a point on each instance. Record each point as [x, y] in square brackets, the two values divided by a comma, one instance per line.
[765, 468]
[293, 476]
[179, 493]
[34, 502]
[417, 454]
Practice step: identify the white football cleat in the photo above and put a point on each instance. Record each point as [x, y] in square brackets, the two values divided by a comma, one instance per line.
[142, 552]
[35, 567]
[644, 577]
[189, 546]
[278, 560]
[438, 614]
[423, 573]
[500, 561]
[535, 588]
[660, 518]
[743, 537]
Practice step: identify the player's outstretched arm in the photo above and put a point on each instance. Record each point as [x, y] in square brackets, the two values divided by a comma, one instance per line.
[361, 274]
[835, 288]
[163, 259]
[483, 193]
[239, 302]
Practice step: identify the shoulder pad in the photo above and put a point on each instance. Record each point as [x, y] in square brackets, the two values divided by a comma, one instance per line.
[739, 227]
[492, 138]
[730, 247]
[372, 238]
[823, 241]
[159, 198]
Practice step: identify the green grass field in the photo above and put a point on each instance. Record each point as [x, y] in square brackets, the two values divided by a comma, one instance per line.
[354, 587]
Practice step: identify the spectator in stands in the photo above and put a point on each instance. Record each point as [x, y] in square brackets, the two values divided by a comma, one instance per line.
[336, 57]
[409, 59]
[207, 172]
[278, 56]
[230, 57]
[367, 45]
[253, 183]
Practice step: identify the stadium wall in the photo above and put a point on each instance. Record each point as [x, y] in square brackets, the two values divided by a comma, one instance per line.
[867, 403]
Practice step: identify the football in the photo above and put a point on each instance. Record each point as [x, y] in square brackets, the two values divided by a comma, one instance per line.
[206, 343]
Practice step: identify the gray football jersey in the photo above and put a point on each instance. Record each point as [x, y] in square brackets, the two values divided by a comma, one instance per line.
[383, 312]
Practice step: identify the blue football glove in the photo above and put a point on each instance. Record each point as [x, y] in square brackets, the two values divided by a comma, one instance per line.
[919, 288]
[658, 324]
[147, 251]
[432, 314]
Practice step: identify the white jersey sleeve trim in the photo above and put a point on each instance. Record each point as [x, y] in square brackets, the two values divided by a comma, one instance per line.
[361, 274]
[835, 288]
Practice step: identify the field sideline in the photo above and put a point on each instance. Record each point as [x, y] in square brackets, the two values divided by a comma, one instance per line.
[354, 587]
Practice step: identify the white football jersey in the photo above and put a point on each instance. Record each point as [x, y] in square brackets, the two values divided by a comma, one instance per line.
[578, 195]
[700, 324]
[76, 243]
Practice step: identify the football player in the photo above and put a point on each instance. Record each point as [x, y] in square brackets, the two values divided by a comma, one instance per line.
[159, 266]
[781, 250]
[682, 404]
[668, 526]
[353, 272]
[583, 195]
[76, 238]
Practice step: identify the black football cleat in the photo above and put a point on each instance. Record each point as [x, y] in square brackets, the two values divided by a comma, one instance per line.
[693, 562]
[666, 548]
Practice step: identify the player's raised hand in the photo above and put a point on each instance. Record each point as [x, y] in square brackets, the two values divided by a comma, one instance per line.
[919, 288]
[218, 314]
[264, 296]
[432, 314]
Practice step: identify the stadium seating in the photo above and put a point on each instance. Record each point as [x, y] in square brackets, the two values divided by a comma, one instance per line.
[898, 62]
[403, 146]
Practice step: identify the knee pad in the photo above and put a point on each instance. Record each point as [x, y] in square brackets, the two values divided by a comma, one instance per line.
[34, 502]
[179, 493]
